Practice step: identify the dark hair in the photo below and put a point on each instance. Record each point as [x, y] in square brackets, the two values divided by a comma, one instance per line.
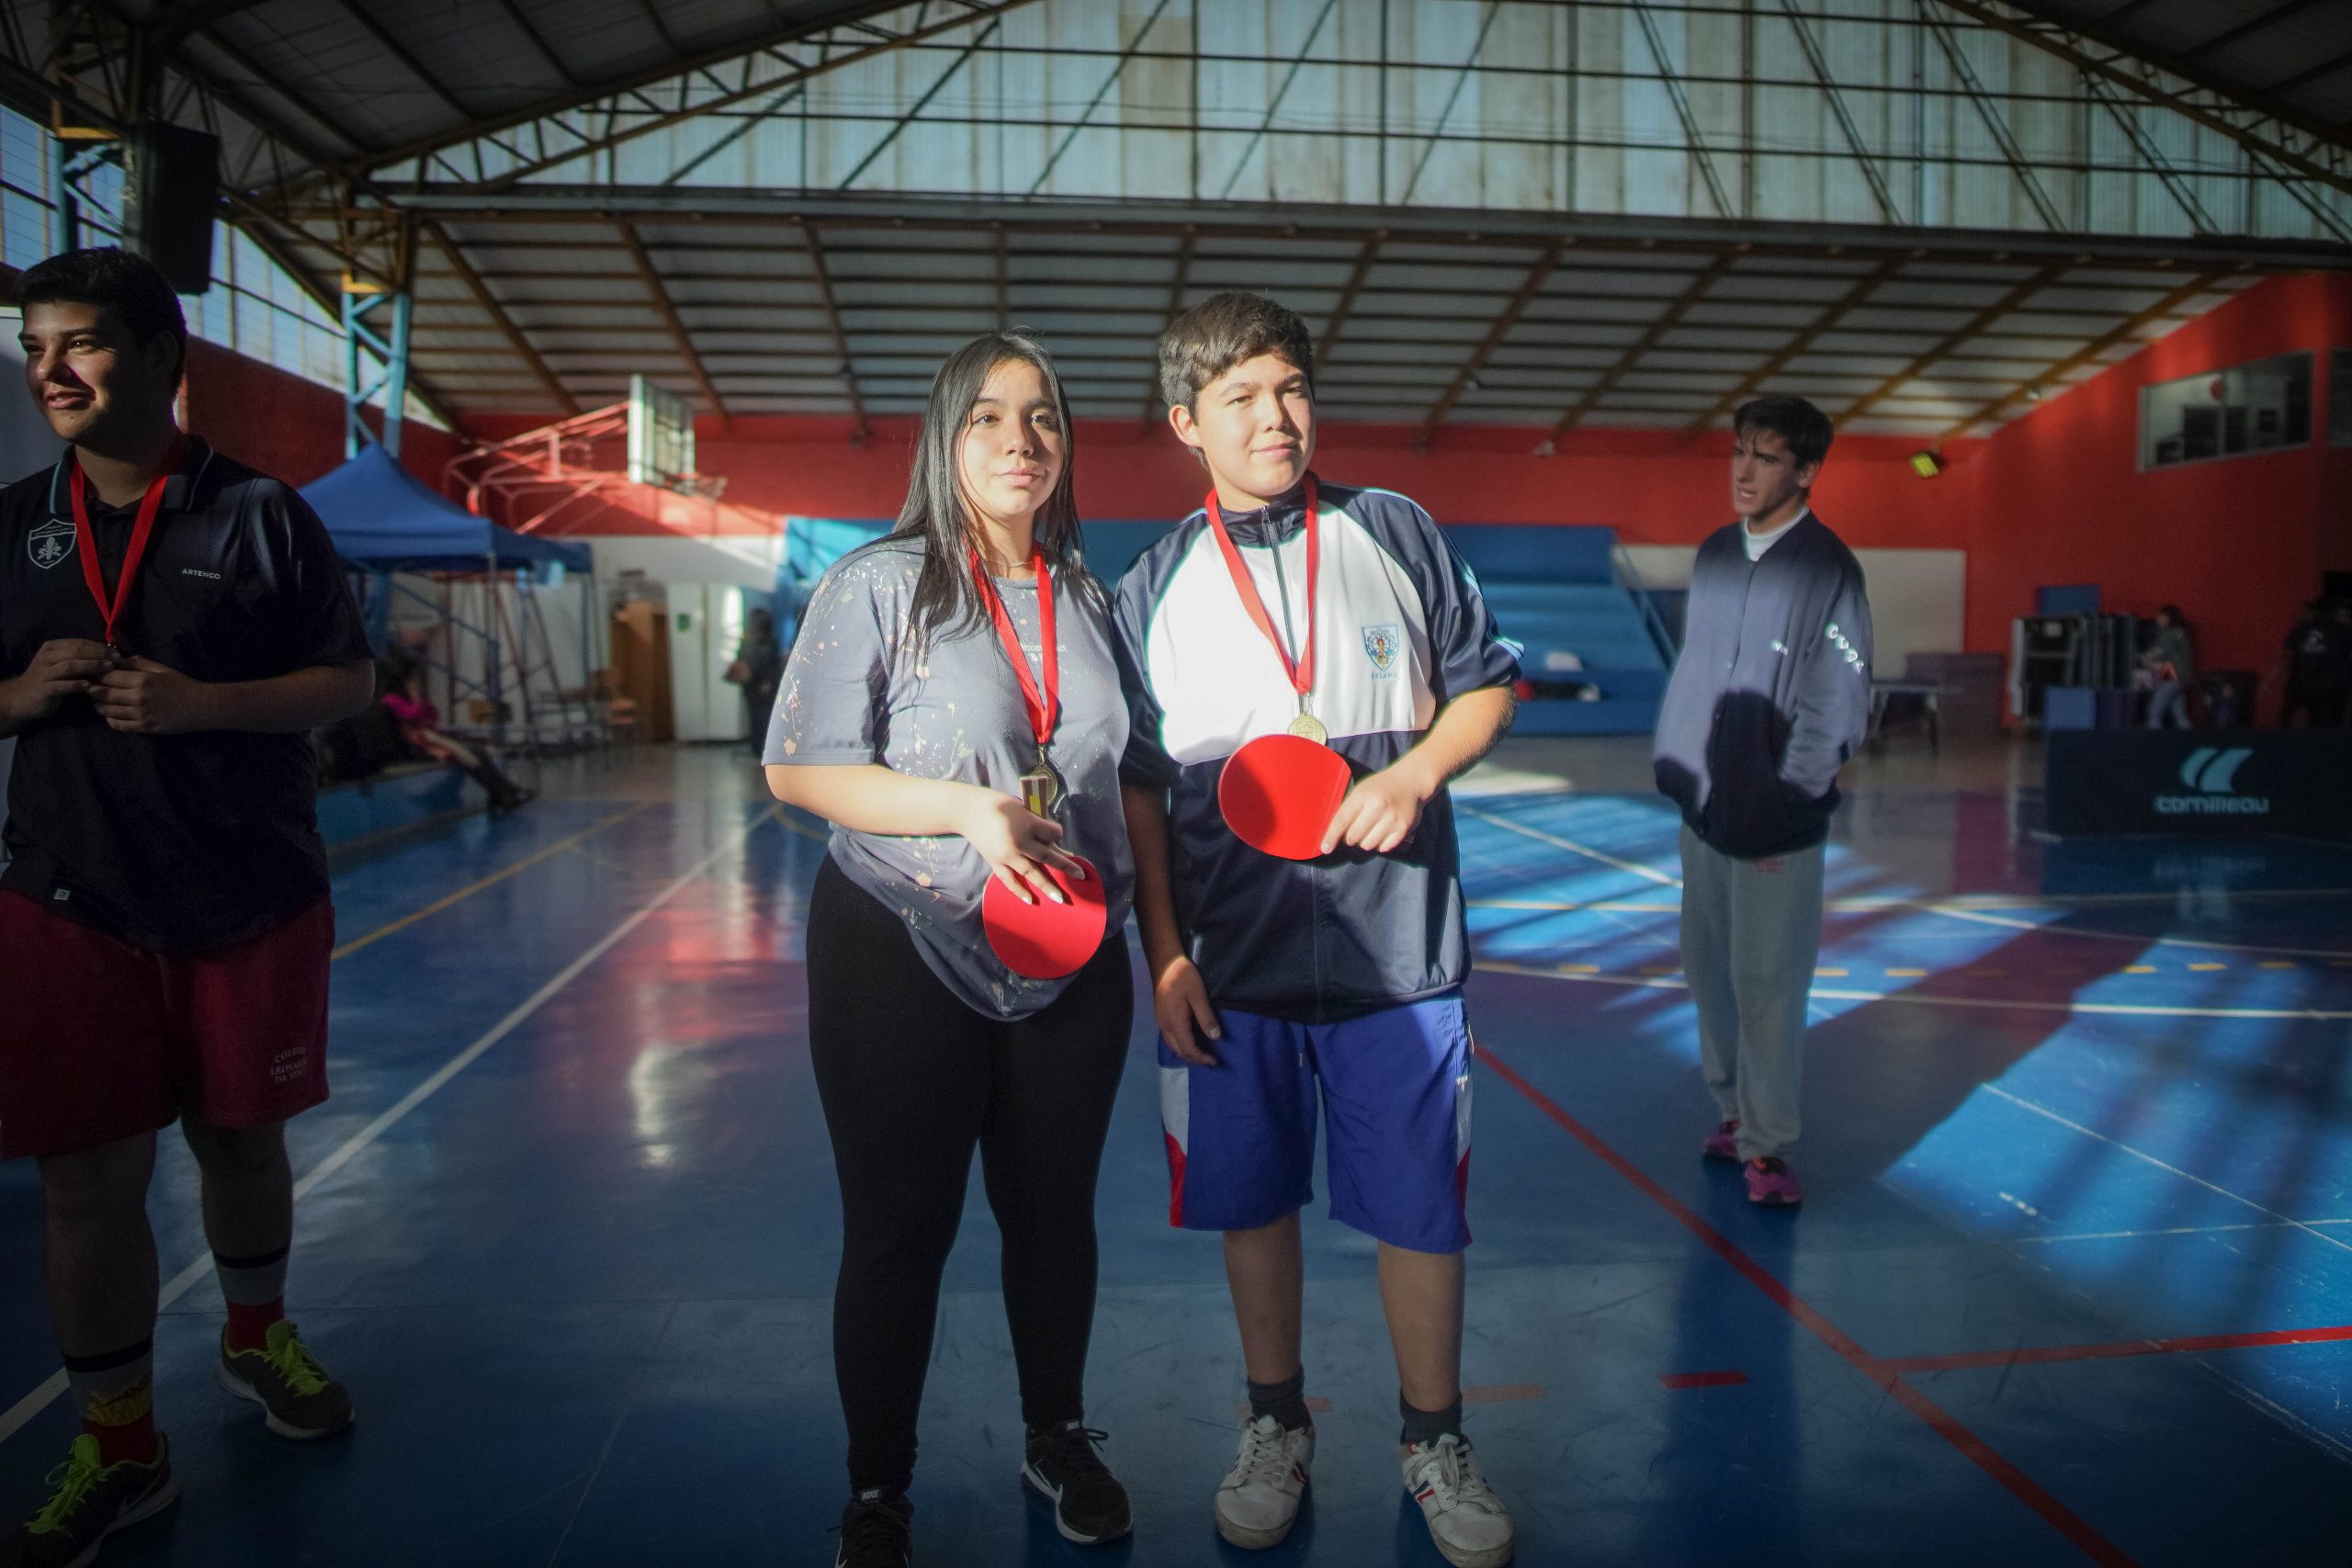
[113, 279]
[2173, 613]
[1223, 331]
[1804, 427]
[945, 601]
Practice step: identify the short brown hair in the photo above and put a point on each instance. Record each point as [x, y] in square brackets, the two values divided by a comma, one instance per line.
[1803, 425]
[1222, 331]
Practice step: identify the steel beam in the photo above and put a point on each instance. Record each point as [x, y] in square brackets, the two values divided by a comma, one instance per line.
[862, 430]
[1967, 332]
[1119, 64]
[670, 318]
[1537, 275]
[1996, 123]
[1693, 140]
[1155, 406]
[1470, 229]
[1696, 290]
[498, 318]
[1838, 308]
[1339, 322]
[2199, 220]
[2089, 353]
[2065, 40]
[922, 102]
[1819, 65]
[529, 29]
[391, 44]
[618, 100]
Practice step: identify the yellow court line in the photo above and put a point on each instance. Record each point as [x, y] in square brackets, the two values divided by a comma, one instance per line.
[1911, 999]
[495, 878]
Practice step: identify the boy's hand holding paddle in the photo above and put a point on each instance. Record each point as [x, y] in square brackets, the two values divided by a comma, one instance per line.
[1381, 811]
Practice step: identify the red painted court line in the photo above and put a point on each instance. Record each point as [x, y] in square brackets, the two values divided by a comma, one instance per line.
[2025, 1355]
[1701, 1379]
[1502, 1393]
[2092, 1544]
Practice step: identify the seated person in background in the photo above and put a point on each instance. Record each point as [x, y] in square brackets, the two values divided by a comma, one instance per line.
[2170, 661]
[403, 696]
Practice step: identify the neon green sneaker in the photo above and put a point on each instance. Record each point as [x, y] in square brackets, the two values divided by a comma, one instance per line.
[300, 1400]
[90, 1502]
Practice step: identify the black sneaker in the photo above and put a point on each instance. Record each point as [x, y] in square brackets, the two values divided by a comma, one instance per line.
[1090, 1506]
[298, 1399]
[90, 1502]
[878, 1532]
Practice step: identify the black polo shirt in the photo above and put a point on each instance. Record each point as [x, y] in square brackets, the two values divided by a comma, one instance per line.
[176, 843]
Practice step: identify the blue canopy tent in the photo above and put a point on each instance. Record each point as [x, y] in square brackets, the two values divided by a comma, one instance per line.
[384, 521]
[382, 518]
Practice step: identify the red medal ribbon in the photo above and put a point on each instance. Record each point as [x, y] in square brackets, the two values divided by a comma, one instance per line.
[1301, 670]
[1042, 703]
[143, 529]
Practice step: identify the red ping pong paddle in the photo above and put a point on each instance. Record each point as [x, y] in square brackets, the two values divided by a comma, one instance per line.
[1279, 792]
[1045, 940]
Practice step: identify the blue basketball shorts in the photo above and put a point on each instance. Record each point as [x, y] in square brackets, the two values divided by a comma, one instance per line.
[1396, 1109]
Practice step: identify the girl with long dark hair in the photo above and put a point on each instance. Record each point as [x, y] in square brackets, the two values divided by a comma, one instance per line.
[952, 706]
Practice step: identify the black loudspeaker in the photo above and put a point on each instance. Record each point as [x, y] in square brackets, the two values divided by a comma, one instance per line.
[171, 181]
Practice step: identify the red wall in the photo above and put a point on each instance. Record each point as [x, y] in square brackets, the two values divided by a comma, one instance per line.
[2237, 542]
[2056, 497]
[288, 427]
[1654, 486]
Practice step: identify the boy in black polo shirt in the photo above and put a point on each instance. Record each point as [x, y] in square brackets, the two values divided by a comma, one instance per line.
[171, 624]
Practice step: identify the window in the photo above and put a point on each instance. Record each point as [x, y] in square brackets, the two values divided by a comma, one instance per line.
[254, 306]
[2255, 407]
[2339, 399]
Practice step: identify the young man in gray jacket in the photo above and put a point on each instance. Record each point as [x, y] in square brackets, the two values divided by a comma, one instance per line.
[1770, 696]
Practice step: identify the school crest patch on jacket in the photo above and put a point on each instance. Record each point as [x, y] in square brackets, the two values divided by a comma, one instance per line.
[51, 542]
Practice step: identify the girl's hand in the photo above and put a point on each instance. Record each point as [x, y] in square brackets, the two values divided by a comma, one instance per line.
[1018, 844]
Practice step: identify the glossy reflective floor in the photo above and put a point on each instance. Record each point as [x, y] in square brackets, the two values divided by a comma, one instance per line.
[2073, 1283]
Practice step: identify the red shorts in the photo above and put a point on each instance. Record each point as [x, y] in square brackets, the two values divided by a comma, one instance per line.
[100, 1040]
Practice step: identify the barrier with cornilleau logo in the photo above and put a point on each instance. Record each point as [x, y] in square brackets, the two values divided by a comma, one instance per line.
[2183, 781]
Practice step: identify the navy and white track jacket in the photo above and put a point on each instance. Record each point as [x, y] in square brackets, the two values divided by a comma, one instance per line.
[1771, 693]
[1400, 630]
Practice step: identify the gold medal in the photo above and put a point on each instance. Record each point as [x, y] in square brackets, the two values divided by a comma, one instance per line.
[1042, 788]
[1307, 726]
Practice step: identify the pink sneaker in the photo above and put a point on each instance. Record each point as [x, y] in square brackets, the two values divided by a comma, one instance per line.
[1722, 1143]
[1771, 1183]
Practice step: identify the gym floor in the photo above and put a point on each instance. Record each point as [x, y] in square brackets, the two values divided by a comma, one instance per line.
[2073, 1280]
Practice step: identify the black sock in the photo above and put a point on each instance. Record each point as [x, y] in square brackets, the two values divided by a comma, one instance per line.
[1284, 1400]
[1428, 1425]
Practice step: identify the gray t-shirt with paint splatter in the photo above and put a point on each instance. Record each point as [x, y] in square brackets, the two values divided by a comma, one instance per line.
[850, 694]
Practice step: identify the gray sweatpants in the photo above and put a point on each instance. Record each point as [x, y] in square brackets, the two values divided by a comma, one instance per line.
[1751, 931]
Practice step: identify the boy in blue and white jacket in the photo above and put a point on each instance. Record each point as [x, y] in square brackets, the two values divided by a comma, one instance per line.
[1274, 978]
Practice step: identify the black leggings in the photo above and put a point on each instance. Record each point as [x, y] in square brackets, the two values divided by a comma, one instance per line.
[910, 1078]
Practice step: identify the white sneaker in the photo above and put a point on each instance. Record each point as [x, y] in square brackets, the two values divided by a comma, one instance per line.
[1258, 1501]
[1465, 1518]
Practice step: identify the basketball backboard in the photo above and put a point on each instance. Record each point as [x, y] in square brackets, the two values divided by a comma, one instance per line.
[661, 437]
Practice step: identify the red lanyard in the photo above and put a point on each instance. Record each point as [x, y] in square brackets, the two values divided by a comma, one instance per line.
[1301, 670]
[1044, 704]
[143, 528]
